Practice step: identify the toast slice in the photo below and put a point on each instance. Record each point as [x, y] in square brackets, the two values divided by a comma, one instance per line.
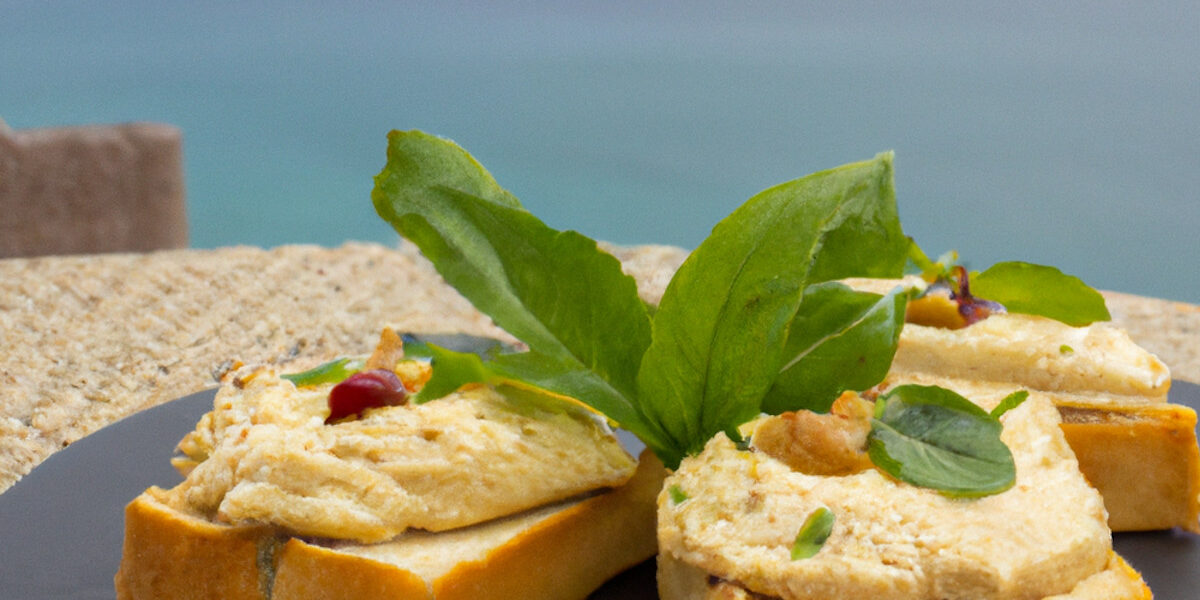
[563, 551]
[730, 515]
[268, 453]
[1139, 450]
[307, 486]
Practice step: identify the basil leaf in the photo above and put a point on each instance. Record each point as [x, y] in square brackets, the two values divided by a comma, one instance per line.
[334, 371]
[534, 372]
[1040, 290]
[554, 290]
[863, 238]
[451, 370]
[1009, 402]
[840, 340]
[813, 533]
[934, 438]
[720, 330]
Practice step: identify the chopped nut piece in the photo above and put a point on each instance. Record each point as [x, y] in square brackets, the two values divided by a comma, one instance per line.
[820, 444]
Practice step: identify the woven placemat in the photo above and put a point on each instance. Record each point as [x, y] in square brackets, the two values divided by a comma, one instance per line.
[86, 340]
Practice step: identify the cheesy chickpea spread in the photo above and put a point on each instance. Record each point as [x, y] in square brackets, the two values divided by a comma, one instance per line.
[736, 512]
[265, 455]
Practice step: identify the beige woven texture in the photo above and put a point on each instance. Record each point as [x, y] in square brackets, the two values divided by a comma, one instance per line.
[86, 340]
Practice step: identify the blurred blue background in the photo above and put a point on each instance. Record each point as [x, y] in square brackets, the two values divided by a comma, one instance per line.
[1064, 133]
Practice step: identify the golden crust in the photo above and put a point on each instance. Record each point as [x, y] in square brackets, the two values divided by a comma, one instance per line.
[170, 554]
[1142, 458]
[309, 571]
[678, 580]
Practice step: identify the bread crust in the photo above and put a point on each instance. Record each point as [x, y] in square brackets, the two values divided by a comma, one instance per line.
[1143, 459]
[678, 580]
[170, 554]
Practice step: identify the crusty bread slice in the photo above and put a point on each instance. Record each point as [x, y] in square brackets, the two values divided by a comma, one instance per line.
[563, 551]
[1136, 448]
[678, 580]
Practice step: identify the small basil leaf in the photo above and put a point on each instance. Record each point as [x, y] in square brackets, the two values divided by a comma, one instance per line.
[1009, 402]
[1040, 290]
[840, 339]
[934, 438]
[813, 533]
[334, 371]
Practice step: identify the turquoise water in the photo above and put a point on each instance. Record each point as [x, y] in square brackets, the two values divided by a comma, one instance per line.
[1067, 135]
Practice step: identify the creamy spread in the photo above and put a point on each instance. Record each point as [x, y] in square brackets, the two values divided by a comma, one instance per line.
[743, 510]
[1036, 352]
[265, 455]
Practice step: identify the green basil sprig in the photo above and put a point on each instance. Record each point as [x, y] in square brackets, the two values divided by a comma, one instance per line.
[720, 332]
[334, 371]
[934, 438]
[718, 339]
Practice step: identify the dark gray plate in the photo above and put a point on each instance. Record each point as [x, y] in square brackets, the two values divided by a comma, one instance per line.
[61, 526]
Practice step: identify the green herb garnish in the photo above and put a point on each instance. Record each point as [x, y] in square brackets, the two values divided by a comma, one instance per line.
[1018, 287]
[749, 323]
[1040, 290]
[556, 291]
[678, 496]
[334, 371]
[1009, 402]
[1065, 349]
[718, 339]
[837, 342]
[720, 331]
[932, 437]
[813, 533]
